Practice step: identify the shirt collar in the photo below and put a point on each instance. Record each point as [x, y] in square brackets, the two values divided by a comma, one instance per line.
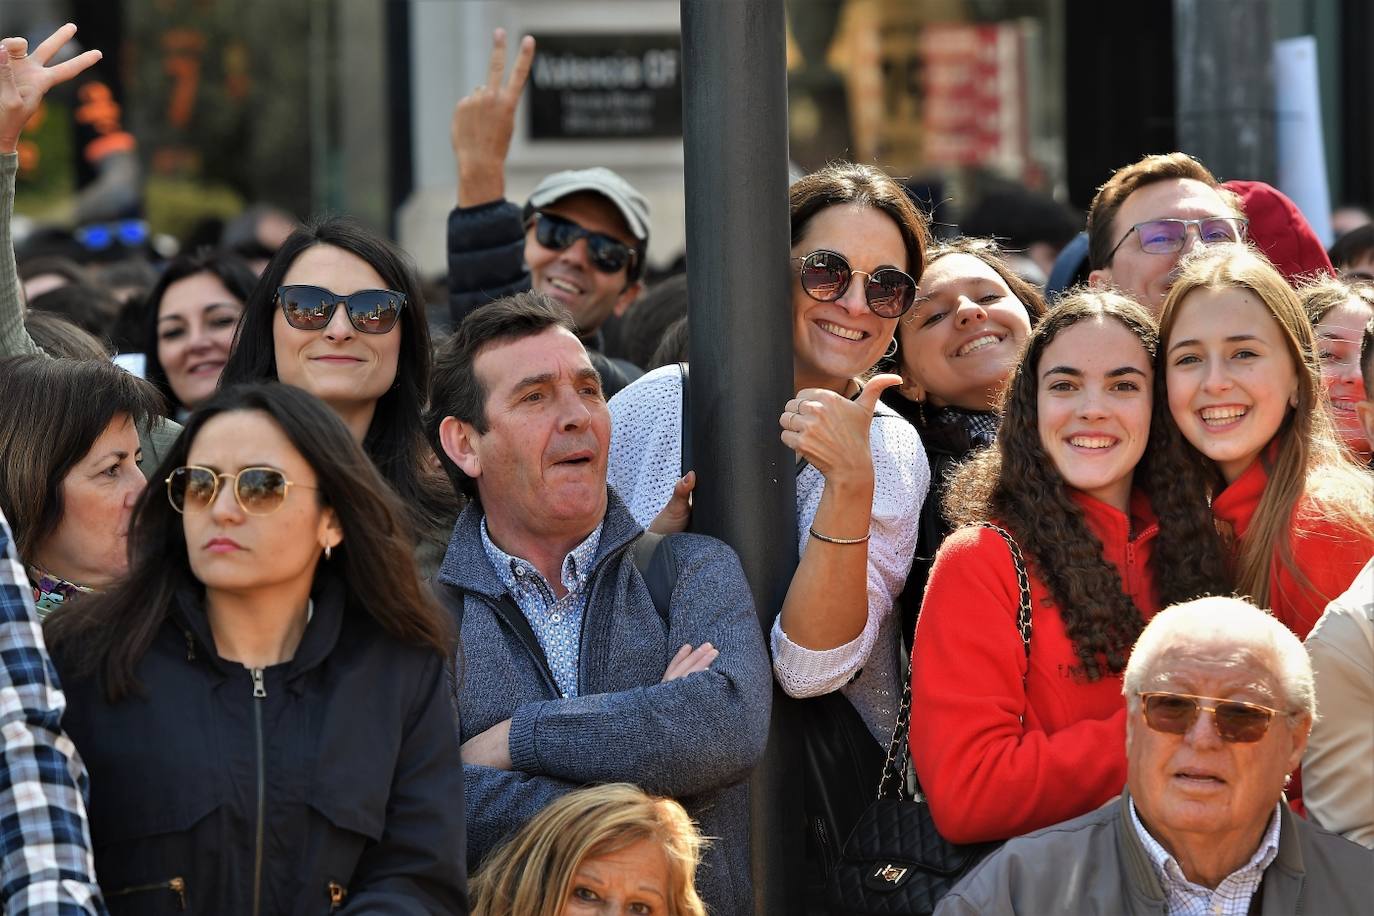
[576, 568]
[1168, 870]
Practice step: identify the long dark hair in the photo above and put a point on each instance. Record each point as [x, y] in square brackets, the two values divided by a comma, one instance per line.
[229, 269]
[395, 441]
[52, 413]
[1016, 483]
[108, 633]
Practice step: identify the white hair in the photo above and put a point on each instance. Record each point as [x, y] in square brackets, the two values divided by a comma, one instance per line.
[1228, 624]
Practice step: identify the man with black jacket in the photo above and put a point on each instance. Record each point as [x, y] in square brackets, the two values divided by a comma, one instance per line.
[580, 238]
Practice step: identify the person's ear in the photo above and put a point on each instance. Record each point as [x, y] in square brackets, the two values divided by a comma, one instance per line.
[1301, 730]
[460, 442]
[331, 531]
[910, 388]
[627, 297]
[1100, 278]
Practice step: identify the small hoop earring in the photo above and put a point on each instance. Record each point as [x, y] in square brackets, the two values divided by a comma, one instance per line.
[328, 552]
[891, 349]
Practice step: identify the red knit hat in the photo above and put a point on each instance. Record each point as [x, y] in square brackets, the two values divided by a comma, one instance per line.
[1279, 229]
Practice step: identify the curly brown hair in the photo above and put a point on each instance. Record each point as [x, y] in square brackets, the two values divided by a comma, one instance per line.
[1016, 483]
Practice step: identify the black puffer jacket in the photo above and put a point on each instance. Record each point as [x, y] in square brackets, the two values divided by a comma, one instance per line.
[330, 782]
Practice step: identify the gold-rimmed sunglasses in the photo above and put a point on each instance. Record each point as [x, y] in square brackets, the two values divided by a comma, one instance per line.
[257, 490]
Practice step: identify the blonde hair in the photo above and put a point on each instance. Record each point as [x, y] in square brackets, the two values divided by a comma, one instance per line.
[532, 874]
[1312, 464]
[1319, 296]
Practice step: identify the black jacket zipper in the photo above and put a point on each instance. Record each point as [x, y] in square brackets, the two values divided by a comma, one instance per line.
[259, 694]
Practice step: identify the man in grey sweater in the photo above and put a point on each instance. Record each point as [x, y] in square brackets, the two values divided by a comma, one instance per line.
[571, 672]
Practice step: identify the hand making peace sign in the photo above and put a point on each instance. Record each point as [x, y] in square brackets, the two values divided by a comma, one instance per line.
[484, 121]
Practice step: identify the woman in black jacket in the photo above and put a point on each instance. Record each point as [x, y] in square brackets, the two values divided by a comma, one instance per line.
[262, 703]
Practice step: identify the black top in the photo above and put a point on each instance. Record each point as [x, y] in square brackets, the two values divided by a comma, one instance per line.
[332, 778]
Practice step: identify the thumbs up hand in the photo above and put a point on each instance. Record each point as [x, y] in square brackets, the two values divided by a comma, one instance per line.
[831, 432]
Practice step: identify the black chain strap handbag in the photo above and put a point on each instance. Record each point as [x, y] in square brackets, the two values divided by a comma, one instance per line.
[895, 863]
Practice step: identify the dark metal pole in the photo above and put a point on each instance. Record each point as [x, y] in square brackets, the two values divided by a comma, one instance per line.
[735, 136]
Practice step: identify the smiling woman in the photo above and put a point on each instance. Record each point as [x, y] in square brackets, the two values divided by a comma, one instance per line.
[1339, 311]
[1241, 425]
[374, 374]
[1017, 736]
[69, 434]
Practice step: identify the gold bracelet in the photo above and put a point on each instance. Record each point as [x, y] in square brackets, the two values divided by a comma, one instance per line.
[829, 540]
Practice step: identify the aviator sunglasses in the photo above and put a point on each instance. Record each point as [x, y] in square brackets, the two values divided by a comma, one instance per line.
[607, 255]
[1235, 720]
[1165, 236]
[371, 311]
[258, 491]
[825, 277]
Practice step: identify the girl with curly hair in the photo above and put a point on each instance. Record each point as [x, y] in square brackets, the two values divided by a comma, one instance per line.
[1006, 741]
[1240, 422]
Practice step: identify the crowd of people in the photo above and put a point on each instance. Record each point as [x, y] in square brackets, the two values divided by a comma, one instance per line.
[344, 604]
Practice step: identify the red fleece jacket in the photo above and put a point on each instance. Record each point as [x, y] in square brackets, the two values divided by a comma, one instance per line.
[997, 758]
[1329, 555]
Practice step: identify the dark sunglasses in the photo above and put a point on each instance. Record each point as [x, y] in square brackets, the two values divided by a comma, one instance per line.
[825, 276]
[371, 311]
[258, 491]
[1235, 720]
[607, 255]
[1165, 236]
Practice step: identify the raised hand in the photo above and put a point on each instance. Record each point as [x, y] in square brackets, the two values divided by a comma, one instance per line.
[831, 431]
[25, 79]
[484, 121]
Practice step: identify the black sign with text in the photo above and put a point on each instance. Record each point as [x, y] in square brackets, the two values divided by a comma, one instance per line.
[606, 87]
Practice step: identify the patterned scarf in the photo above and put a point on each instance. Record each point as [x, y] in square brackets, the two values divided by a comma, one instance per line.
[49, 591]
[981, 425]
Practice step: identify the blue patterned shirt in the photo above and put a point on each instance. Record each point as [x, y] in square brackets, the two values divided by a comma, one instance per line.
[557, 622]
[1232, 895]
[45, 845]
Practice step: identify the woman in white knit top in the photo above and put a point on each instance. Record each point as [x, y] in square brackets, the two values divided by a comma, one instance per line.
[858, 247]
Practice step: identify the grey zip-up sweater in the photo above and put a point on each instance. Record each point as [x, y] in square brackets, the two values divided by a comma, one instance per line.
[694, 738]
[1097, 864]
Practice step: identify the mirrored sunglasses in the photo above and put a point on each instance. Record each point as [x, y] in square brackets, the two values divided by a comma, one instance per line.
[370, 311]
[258, 491]
[607, 254]
[1235, 720]
[825, 277]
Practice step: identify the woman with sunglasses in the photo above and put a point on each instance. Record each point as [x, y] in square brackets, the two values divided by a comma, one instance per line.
[1018, 724]
[857, 241]
[338, 313]
[262, 703]
[189, 323]
[955, 350]
[1242, 426]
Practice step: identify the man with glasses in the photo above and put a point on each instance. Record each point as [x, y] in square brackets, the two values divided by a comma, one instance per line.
[1148, 215]
[580, 239]
[1219, 703]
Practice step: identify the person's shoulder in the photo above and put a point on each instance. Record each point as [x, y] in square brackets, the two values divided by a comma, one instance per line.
[1338, 855]
[1349, 619]
[654, 384]
[1069, 840]
[971, 541]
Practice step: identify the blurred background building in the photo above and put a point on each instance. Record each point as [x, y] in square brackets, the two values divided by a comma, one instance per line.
[344, 105]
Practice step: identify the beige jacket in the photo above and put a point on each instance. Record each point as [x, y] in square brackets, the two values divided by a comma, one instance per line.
[1338, 769]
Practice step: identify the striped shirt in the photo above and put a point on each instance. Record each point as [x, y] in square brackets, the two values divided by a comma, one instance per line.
[1231, 897]
[46, 864]
[557, 622]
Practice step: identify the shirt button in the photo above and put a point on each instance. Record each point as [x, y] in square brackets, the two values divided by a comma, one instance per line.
[555, 618]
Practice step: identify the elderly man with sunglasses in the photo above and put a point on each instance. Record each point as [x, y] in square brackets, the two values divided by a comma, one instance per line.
[1220, 701]
[580, 239]
[1148, 215]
